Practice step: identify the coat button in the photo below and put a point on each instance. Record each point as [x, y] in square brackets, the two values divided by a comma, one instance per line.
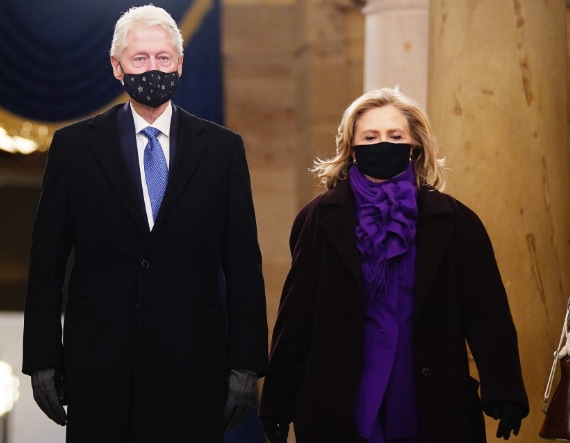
[426, 372]
[145, 263]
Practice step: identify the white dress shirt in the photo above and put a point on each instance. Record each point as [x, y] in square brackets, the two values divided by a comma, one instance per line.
[162, 123]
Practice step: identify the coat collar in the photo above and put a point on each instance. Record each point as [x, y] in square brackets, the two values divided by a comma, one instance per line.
[105, 141]
[190, 143]
[108, 146]
[339, 223]
[434, 229]
[433, 235]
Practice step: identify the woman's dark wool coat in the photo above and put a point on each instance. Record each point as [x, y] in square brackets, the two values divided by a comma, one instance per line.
[317, 349]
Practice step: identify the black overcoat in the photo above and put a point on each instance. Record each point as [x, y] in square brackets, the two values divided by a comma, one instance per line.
[317, 347]
[154, 319]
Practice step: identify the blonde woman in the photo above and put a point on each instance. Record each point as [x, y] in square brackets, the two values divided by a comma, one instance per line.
[390, 278]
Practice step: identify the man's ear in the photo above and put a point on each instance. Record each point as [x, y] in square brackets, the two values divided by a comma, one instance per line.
[180, 60]
[117, 70]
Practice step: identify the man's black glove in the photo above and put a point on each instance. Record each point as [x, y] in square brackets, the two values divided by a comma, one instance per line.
[276, 428]
[48, 388]
[242, 397]
[510, 415]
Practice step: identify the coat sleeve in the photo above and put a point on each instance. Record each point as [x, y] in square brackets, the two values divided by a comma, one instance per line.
[290, 334]
[50, 248]
[241, 261]
[489, 327]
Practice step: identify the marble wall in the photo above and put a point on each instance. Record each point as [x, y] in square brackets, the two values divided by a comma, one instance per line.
[497, 97]
[291, 67]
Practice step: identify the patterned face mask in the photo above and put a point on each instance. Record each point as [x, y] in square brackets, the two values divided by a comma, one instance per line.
[151, 88]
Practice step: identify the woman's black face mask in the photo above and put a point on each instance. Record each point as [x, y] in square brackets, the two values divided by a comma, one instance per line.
[382, 160]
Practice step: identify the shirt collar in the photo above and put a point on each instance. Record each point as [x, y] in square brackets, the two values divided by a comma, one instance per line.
[162, 123]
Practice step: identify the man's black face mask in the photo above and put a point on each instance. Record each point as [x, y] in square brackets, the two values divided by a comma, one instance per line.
[151, 88]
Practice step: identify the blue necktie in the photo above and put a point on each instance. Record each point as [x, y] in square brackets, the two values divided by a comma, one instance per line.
[155, 169]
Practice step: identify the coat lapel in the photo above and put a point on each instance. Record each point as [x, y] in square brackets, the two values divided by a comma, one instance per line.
[434, 229]
[106, 145]
[188, 146]
[339, 223]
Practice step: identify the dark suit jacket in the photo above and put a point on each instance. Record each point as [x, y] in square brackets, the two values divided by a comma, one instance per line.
[150, 332]
[317, 348]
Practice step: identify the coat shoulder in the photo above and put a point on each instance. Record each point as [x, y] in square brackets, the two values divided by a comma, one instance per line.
[309, 210]
[304, 218]
[436, 202]
[82, 126]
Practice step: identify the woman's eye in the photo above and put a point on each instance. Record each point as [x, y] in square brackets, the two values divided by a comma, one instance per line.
[396, 137]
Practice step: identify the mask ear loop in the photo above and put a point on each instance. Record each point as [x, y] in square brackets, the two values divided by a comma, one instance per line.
[122, 81]
[416, 152]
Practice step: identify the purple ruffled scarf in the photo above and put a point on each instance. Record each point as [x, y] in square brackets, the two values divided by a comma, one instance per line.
[386, 226]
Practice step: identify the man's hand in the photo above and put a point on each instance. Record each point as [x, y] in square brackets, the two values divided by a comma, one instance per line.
[242, 397]
[48, 389]
[276, 428]
[510, 416]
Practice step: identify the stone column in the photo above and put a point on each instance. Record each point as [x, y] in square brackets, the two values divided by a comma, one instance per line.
[497, 98]
[396, 46]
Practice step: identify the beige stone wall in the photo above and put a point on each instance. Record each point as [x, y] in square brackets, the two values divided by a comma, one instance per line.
[260, 92]
[497, 98]
[290, 69]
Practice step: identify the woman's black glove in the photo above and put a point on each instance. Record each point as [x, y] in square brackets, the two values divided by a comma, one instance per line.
[276, 428]
[48, 388]
[510, 415]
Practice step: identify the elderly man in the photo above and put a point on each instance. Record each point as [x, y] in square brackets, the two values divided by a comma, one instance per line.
[165, 327]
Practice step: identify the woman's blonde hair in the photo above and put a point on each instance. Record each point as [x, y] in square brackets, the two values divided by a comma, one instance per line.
[428, 168]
